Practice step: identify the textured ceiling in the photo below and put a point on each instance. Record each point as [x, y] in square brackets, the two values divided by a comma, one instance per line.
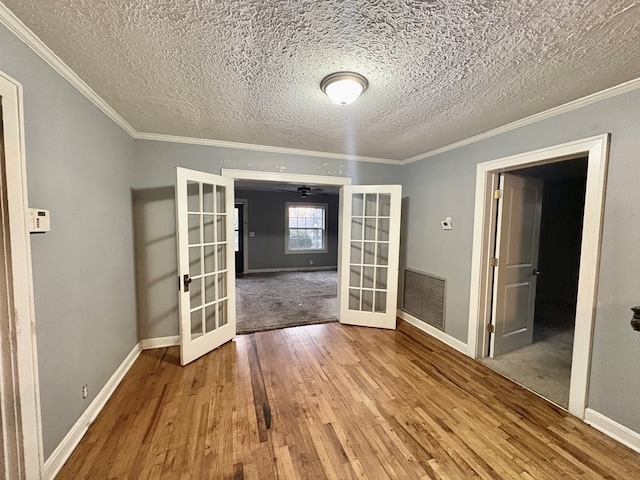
[249, 71]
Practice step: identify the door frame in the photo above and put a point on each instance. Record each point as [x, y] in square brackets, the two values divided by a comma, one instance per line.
[279, 177]
[596, 149]
[245, 232]
[20, 381]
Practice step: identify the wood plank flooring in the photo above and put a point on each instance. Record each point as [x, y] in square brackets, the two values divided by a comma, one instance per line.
[335, 402]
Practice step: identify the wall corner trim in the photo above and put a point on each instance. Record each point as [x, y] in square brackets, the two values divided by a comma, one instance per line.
[159, 342]
[434, 332]
[613, 429]
[57, 459]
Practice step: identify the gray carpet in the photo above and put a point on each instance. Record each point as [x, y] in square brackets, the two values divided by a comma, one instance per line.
[266, 301]
[544, 366]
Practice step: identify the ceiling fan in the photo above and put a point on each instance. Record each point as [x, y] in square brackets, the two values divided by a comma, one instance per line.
[305, 191]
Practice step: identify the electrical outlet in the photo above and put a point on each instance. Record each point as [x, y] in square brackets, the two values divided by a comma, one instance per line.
[85, 391]
[310, 262]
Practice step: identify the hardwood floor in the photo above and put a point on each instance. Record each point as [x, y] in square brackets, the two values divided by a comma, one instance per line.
[329, 401]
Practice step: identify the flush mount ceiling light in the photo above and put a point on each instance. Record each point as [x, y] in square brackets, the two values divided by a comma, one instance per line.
[344, 88]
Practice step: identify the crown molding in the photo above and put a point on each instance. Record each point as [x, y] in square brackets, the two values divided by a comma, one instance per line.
[552, 112]
[20, 30]
[262, 148]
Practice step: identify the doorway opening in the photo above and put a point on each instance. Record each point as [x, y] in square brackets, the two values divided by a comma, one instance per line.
[595, 149]
[287, 237]
[542, 363]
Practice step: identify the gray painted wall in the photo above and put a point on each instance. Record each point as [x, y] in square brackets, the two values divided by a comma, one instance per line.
[266, 219]
[444, 186]
[154, 211]
[79, 166]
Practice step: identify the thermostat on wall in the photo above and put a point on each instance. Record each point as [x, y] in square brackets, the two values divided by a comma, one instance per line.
[446, 224]
[39, 220]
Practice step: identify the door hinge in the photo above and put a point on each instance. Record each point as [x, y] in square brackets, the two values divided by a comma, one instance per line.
[491, 328]
[493, 262]
[178, 283]
[497, 194]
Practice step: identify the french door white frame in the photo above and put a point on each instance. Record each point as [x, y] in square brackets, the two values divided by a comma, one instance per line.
[245, 232]
[21, 402]
[487, 175]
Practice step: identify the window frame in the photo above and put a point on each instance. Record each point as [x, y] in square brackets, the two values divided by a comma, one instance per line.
[287, 230]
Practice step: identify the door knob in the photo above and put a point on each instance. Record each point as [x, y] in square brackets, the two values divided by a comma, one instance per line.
[535, 272]
[186, 281]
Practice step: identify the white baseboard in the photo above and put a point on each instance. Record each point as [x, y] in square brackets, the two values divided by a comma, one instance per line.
[434, 332]
[613, 429]
[291, 269]
[159, 342]
[56, 460]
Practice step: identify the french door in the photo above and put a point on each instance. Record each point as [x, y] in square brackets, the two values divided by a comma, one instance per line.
[369, 248]
[206, 263]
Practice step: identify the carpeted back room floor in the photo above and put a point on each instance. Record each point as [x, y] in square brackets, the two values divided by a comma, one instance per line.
[265, 301]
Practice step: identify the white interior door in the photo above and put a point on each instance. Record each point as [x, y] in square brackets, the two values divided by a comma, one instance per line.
[517, 243]
[206, 262]
[369, 250]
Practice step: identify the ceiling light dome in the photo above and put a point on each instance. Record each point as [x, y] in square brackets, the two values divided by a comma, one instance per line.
[344, 88]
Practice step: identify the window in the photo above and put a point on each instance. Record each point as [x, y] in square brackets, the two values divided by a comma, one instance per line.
[306, 228]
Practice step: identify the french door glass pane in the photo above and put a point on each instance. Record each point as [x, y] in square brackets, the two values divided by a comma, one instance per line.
[222, 257]
[193, 196]
[355, 276]
[367, 300]
[356, 228]
[210, 288]
[370, 229]
[385, 205]
[194, 229]
[208, 230]
[221, 231]
[354, 299]
[210, 318]
[367, 277]
[195, 267]
[195, 292]
[209, 258]
[371, 203]
[222, 313]
[196, 323]
[357, 205]
[221, 206]
[207, 198]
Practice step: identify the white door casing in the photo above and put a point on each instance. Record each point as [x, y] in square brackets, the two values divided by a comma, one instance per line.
[515, 279]
[20, 378]
[596, 149]
[206, 262]
[368, 255]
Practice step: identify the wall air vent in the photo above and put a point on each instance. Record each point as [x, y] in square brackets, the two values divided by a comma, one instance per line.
[423, 296]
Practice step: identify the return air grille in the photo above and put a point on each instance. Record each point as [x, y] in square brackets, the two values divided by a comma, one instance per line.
[423, 297]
